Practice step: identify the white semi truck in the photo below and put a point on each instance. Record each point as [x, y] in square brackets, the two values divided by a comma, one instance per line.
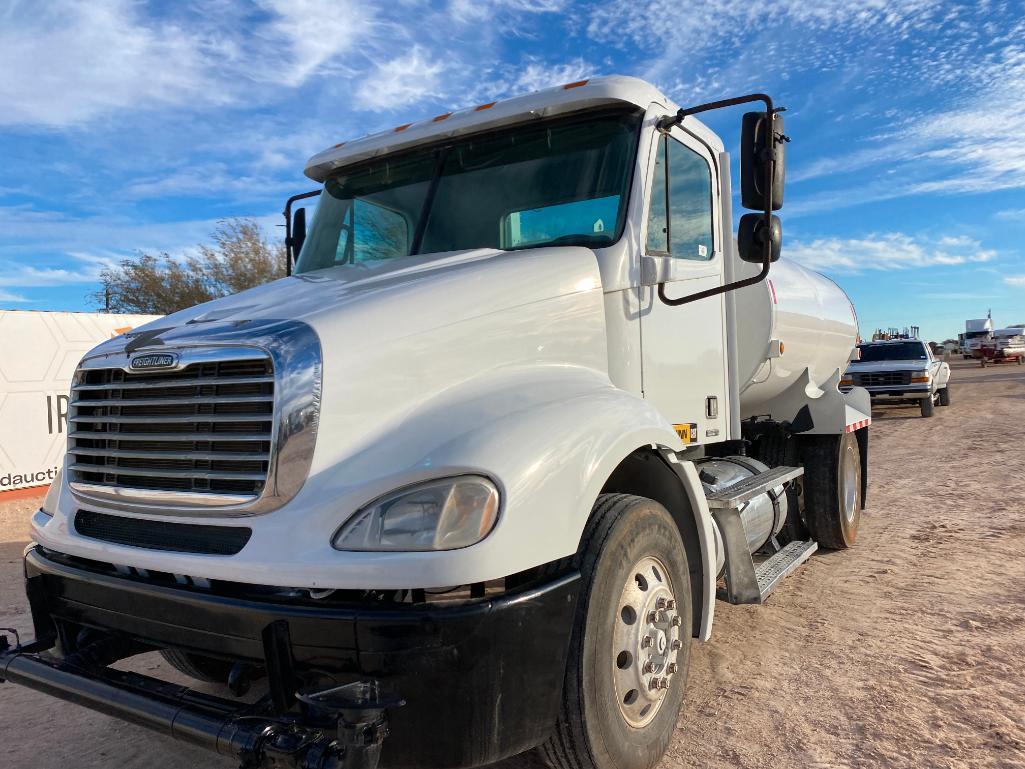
[470, 481]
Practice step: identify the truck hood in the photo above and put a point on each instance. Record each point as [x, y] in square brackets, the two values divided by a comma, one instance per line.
[398, 338]
[415, 293]
[857, 367]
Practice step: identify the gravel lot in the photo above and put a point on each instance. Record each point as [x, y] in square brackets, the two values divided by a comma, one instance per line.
[907, 651]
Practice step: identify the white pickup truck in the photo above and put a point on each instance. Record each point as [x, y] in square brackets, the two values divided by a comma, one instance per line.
[901, 371]
[475, 474]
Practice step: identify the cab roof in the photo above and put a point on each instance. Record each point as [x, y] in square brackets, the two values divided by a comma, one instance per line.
[571, 97]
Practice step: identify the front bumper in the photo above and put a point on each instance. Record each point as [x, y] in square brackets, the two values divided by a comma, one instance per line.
[899, 392]
[482, 680]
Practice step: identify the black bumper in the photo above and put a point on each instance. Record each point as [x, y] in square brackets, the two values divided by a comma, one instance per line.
[482, 680]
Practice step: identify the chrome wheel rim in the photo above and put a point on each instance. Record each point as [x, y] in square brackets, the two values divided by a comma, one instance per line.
[850, 483]
[646, 642]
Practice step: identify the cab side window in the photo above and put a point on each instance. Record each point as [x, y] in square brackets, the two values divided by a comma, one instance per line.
[682, 186]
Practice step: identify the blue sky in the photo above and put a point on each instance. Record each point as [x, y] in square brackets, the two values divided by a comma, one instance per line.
[131, 126]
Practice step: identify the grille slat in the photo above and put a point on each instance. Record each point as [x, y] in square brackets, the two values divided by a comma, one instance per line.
[172, 383]
[123, 454]
[176, 401]
[93, 435]
[172, 418]
[184, 431]
[164, 471]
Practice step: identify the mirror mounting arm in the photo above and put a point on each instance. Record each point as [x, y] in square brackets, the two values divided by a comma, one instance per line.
[290, 255]
[673, 120]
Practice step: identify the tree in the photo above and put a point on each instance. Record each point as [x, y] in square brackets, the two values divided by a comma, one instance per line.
[239, 258]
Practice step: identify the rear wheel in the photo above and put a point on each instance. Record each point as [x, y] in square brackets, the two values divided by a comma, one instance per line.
[945, 396]
[927, 406]
[628, 659]
[197, 666]
[832, 489]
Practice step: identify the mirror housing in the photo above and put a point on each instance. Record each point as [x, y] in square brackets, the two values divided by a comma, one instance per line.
[761, 136]
[752, 235]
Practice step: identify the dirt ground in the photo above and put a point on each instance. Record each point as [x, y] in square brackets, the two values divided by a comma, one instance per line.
[906, 651]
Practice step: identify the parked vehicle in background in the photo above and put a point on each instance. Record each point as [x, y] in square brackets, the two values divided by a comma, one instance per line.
[901, 371]
[437, 467]
[1006, 346]
[977, 332]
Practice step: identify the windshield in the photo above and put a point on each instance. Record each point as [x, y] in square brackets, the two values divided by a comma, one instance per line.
[897, 351]
[561, 182]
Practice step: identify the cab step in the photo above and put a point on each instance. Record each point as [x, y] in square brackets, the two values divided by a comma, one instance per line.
[736, 495]
[745, 581]
[778, 566]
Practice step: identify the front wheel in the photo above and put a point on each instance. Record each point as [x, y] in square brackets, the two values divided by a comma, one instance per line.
[945, 396]
[629, 654]
[927, 406]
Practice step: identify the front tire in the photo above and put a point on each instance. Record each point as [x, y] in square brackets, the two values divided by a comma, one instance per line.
[945, 396]
[832, 489]
[928, 407]
[629, 654]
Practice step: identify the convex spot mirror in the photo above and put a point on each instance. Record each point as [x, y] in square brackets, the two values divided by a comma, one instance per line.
[752, 235]
[298, 232]
[759, 134]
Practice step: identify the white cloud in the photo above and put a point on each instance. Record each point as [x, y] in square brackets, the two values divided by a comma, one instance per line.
[1015, 280]
[714, 23]
[401, 81]
[65, 62]
[481, 10]
[890, 251]
[1011, 215]
[7, 296]
[315, 34]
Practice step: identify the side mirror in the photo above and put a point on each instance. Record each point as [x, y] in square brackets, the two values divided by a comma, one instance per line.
[298, 233]
[761, 136]
[753, 234]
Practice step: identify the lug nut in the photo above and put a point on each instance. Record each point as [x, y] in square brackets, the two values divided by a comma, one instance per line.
[661, 604]
[676, 621]
[676, 645]
[649, 666]
[671, 604]
[653, 684]
[653, 617]
[647, 641]
[663, 683]
[672, 668]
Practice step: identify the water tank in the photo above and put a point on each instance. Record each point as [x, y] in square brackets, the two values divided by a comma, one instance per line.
[801, 311]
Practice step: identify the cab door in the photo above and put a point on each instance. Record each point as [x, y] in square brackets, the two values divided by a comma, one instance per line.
[683, 355]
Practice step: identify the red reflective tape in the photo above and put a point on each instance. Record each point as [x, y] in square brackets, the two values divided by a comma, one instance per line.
[858, 425]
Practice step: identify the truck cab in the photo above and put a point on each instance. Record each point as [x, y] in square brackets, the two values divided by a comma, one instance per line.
[470, 480]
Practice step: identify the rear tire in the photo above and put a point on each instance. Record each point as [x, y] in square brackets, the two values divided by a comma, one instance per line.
[197, 666]
[832, 489]
[927, 406]
[945, 396]
[630, 558]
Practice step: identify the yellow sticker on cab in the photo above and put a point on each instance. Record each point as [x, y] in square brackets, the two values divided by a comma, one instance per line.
[688, 432]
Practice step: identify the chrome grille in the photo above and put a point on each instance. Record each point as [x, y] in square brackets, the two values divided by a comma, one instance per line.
[882, 378]
[205, 428]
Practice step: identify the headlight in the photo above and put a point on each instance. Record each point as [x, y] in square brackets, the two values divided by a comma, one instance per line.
[52, 495]
[445, 514]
